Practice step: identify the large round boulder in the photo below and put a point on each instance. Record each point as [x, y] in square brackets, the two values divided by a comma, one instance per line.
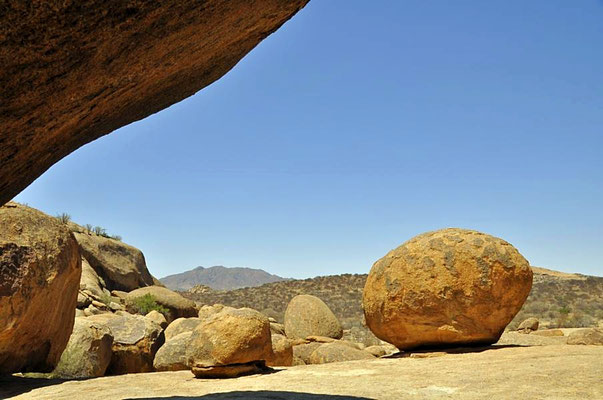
[176, 305]
[233, 336]
[309, 316]
[40, 271]
[88, 352]
[448, 287]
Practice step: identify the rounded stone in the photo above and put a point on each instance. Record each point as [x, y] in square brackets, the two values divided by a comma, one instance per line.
[448, 287]
[309, 316]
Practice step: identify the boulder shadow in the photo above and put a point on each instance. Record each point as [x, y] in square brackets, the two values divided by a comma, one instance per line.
[434, 351]
[11, 385]
[259, 395]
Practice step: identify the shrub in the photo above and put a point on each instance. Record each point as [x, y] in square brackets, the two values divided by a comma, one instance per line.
[89, 229]
[116, 237]
[99, 231]
[145, 304]
[64, 217]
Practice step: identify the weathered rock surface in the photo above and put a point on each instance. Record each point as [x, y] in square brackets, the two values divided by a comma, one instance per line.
[88, 352]
[233, 336]
[541, 372]
[586, 336]
[172, 356]
[207, 311]
[136, 340]
[121, 266]
[282, 352]
[40, 271]
[178, 306]
[157, 318]
[90, 281]
[229, 371]
[529, 325]
[309, 316]
[448, 287]
[85, 71]
[302, 352]
[337, 352]
[181, 325]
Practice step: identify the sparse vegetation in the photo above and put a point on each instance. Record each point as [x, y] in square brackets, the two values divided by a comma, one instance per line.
[64, 217]
[89, 229]
[99, 231]
[145, 304]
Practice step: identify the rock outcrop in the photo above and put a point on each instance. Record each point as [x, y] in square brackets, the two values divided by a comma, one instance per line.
[234, 337]
[448, 287]
[529, 325]
[586, 336]
[84, 71]
[177, 306]
[88, 352]
[121, 266]
[40, 271]
[309, 316]
[337, 352]
[136, 340]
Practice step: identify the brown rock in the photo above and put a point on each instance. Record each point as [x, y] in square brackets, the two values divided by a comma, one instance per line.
[229, 371]
[548, 332]
[136, 340]
[320, 339]
[377, 351]
[233, 336]
[207, 311]
[172, 356]
[90, 282]
[81, 74]
[337, 352]
[88, 352]
[158, 318]
[586, 336]
[449, 287]
[181, 325]
[302, 352]
[177, 306]
[120, 266]
[529, 325]
[277, 329]
[309, 316]
[282, 352]
[40, 270]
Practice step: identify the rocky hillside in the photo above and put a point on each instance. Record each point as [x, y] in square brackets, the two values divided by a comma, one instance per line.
[557, 299]
[220, 278]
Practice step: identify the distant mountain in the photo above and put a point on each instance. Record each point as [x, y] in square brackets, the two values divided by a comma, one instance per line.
[220, 278]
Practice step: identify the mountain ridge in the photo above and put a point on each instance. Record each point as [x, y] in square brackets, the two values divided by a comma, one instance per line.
[220, 277]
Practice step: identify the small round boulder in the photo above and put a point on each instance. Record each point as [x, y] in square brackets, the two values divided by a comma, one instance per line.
[446, 288]
[309, 316]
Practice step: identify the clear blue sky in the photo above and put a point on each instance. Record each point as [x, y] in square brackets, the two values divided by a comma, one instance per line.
[357, 126]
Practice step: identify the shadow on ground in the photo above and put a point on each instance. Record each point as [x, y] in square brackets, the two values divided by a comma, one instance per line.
[259, 395]
[11, 385]
[450, 350]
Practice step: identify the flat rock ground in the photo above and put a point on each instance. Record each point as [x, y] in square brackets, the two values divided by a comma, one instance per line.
[549, 371]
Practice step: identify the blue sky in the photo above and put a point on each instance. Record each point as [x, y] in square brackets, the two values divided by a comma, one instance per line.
[357, 126]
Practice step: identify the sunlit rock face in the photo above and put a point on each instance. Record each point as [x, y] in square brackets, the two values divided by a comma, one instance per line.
[446, 288]
[72, 71]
